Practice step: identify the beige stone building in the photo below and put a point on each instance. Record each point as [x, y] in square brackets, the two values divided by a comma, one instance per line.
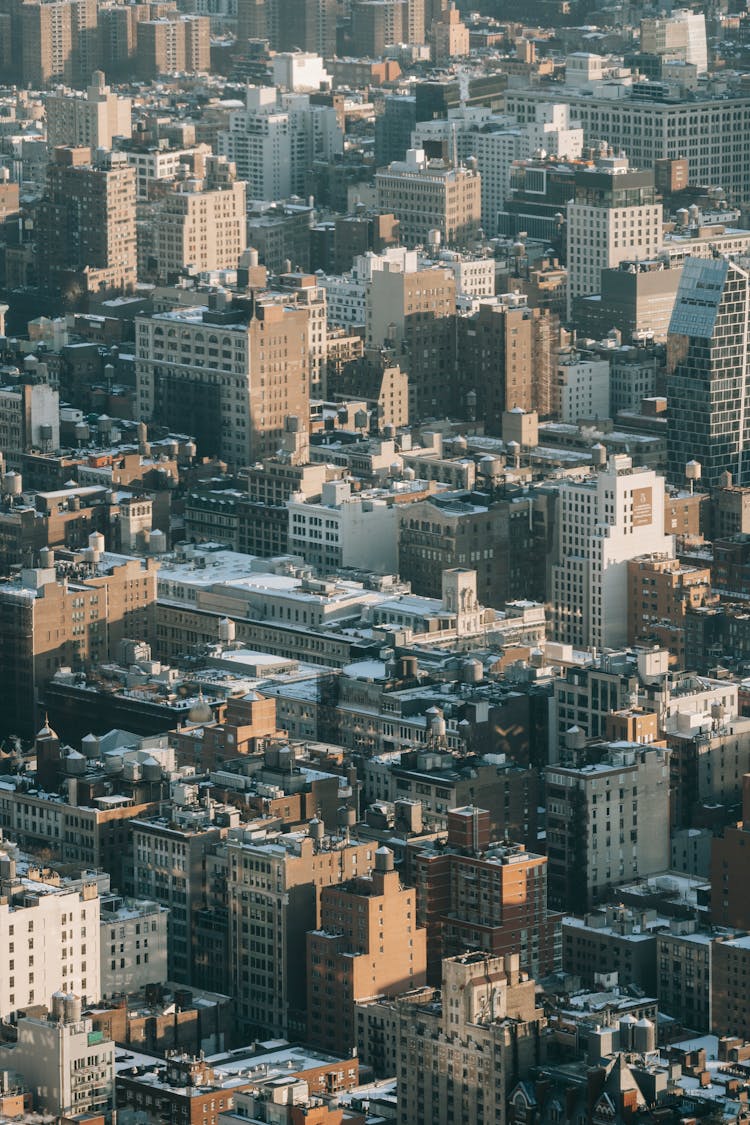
[176, 43]
[91, 120]
[201, 222]
[230, 374]
[431, 195]
[460, 1053]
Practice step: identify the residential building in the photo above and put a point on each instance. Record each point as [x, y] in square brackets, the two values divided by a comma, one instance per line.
[474, 892]
[133, 945]
[660, 594]
[729, 967]
[603, 522]
[49, 932]
[708, 372]
[87, 223]
[29, 419]
[274, 898]
[449, 36]
[230, 374]
[173, 43]
[67, 1063]
[582, 387]
[487, 1018]
[377, 24]
[345, 529]
[679, 35]
[90, 120]
[606, 823]
[612, 217]
[613, 939]
[430, 195]
[201, 223]
[368, 943]
[729, 907]
[685, 958]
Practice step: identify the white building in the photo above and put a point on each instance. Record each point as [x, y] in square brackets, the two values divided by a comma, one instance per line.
[582, 387]
[299, 71]
[345, 530]
[496, 140]
[275, 138]
[133, 944]
[62, 1058]
[29, 419]
[601, 523]
[49, 933]
[613, 217]
[153, 165]
[681, 35]
[91, 120]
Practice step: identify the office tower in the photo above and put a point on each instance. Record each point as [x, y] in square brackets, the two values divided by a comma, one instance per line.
[650, 130]
[87, 222]
[49, 941]
[67, 1063]
[377, 24]
[680, 35]
[612, 217]
[236, 400]
[412, 311]
[274, 888]
[709, 381]
[368, 944]
[201, 222]
[449, 36]
[168, 45]
[430, 195]
[460, 1052]
[601, 523]
[275, 138]
[394, 127]
[606, 824]
[90, 120]
[76, 617]
[474, 892]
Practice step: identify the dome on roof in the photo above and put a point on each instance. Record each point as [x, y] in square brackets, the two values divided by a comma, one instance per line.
[201, 711]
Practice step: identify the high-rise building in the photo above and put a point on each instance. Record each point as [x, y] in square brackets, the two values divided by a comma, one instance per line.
[87, 236]
[449, 36]
[460, 1053]
[55, 42]
[430, 195]
[368, 944]
[274, 140]
[606, 824]
[90, 120]
[242, 369]
[476, 893]
[48, 941]
[274, 889]
[180, 43]
[413, 311]
[377, 24]
[612, 217]
[709, 383]
[680, 35]
[601, 523]
[201, 223]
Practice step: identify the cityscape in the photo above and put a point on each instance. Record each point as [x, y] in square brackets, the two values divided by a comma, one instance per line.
[374, 562]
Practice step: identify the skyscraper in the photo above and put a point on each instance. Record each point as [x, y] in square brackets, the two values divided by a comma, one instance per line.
[710, 372]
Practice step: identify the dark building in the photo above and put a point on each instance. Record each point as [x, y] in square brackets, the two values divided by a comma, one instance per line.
[393, 128]
[709, 413]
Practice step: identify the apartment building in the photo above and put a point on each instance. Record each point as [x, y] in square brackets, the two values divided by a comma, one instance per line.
[430, 195]
[230, 374]
[606, 823]
[90, 120]
[368, 943]
[132, 944]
